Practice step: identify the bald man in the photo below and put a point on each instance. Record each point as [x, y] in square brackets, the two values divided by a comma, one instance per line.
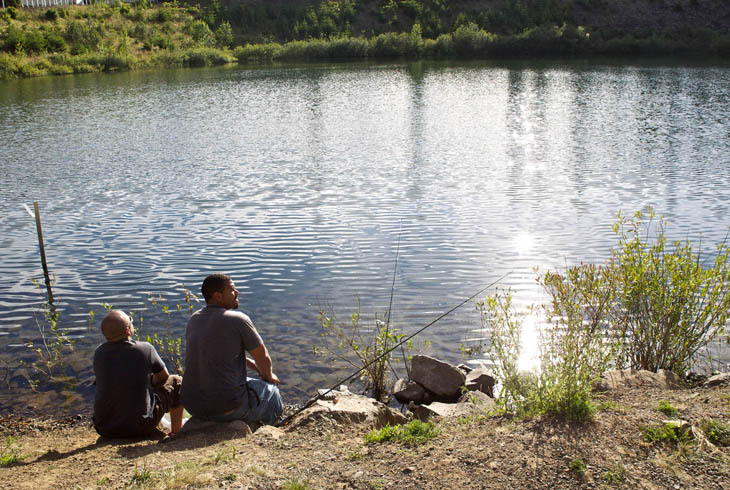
[133, 388]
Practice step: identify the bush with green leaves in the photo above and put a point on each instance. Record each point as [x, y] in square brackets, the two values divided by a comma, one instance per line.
[669, 432]
[666, 408]
[717, 432]
[224, 35]
[10, 452]
[361, 347]
[670, 303]
[201, 33]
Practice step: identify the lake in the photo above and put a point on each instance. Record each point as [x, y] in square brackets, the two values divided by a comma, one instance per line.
[304, 182]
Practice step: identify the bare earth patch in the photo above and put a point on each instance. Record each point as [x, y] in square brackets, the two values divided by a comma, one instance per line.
[477, 452]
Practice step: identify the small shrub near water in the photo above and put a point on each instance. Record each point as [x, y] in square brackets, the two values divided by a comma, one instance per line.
[666, 408]
[717, 432]
[411, 434]
[668, 432]
[578, 467]
[10, 452]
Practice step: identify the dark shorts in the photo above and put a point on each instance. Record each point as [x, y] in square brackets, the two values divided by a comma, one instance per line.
[167, 396]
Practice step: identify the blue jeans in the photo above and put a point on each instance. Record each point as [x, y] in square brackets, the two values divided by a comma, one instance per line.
[264, 404]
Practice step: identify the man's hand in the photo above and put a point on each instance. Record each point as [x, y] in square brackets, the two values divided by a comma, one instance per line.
[274, 379]
[262, 363]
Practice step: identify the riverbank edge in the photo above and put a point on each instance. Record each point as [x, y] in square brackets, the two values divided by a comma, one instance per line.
[480, 451]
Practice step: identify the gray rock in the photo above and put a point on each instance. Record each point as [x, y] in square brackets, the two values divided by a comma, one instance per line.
[349, 409]
[408, 391]
[717, 380]
[480, 379]
[438, 377]
[617, 379]
[470, 403]
[195, 425]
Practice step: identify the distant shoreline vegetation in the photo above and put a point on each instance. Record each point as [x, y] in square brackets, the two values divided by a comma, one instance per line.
[123, 36]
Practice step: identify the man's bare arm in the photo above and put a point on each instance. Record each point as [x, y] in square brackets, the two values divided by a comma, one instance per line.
[262, 362]
[160, 377]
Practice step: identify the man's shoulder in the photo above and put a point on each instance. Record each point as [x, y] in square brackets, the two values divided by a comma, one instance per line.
[237, 316]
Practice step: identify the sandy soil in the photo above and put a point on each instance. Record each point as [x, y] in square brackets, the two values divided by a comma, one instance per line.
[482, 452]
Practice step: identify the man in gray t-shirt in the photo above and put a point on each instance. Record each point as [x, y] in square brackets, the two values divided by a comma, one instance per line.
[216, 385]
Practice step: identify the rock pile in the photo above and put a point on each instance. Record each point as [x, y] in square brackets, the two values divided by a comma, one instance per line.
[437, 388]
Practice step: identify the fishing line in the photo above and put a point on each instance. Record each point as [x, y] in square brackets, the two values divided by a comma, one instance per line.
[320, 396]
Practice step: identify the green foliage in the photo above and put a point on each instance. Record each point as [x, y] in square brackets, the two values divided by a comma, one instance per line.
[224, 35]
[362, 348]
[295, 484]
[414, 433]
[666, 408]
[201, 33]
[84, 37]
[12, 4]
[616, 474]
[52, 348]
[668, 432]
[10, 452]
[578, 466]
[717, 432]
[140, 476]
[162, 15]
[669, 304]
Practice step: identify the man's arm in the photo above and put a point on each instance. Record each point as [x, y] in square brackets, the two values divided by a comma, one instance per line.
[160, 377]
[262, 364]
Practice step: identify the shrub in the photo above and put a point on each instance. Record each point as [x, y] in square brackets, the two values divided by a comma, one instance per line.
[578, 466]
[666, 408]
[669, 432]
[257, 52]
[12, 4]
[469, 40]
[224, 35]
[51, 14]
[83, 36]
[161, 15]
[717, 432]
[669, 306]
[201, 33]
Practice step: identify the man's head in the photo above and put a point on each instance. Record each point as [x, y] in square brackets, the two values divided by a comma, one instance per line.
[219, 289]
[116, 325]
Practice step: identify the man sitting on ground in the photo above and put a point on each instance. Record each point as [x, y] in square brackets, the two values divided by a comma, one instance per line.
[217, 338]
[133, 387]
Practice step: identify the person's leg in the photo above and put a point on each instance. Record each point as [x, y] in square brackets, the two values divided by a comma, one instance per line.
[167, 398]
[266, 404]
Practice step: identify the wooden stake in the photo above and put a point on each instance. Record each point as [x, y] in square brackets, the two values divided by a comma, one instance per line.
[43, 251]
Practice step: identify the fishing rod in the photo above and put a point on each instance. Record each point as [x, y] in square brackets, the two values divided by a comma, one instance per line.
[390, 304]
[320, 396]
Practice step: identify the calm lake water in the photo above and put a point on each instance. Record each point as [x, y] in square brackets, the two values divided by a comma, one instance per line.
[302, 182]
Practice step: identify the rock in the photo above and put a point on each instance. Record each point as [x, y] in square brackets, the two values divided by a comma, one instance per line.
[438, 377]
[408, 391]
[349, 409]
[470, 403]
[616, 379]
[196, 425]
[717, 380]
[465, 368]
[480, 379]
[269, 432]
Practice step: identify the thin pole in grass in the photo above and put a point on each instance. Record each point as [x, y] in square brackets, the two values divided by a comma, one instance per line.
[42, 248]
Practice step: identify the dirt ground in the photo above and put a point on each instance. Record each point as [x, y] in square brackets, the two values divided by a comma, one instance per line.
[479, 452]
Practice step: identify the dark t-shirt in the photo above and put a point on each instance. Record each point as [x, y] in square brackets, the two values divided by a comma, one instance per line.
[216, 341]
[124, 393]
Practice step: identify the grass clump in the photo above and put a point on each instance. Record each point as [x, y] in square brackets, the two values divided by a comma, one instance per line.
[666, 408]
[578, 467]
[668, 432]
[413, 433]
[717, 432]
[10, 452]
[295, 484]
[615, 474]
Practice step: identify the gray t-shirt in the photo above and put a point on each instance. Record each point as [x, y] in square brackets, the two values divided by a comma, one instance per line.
[216, 341]
[124, 398]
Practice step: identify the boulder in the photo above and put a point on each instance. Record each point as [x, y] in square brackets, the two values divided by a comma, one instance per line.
[408, 391]
[348, 409]
[195, 425]
[481, 379]
[438, 377]
[717, 380]
[470, 403]
[617, 379]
